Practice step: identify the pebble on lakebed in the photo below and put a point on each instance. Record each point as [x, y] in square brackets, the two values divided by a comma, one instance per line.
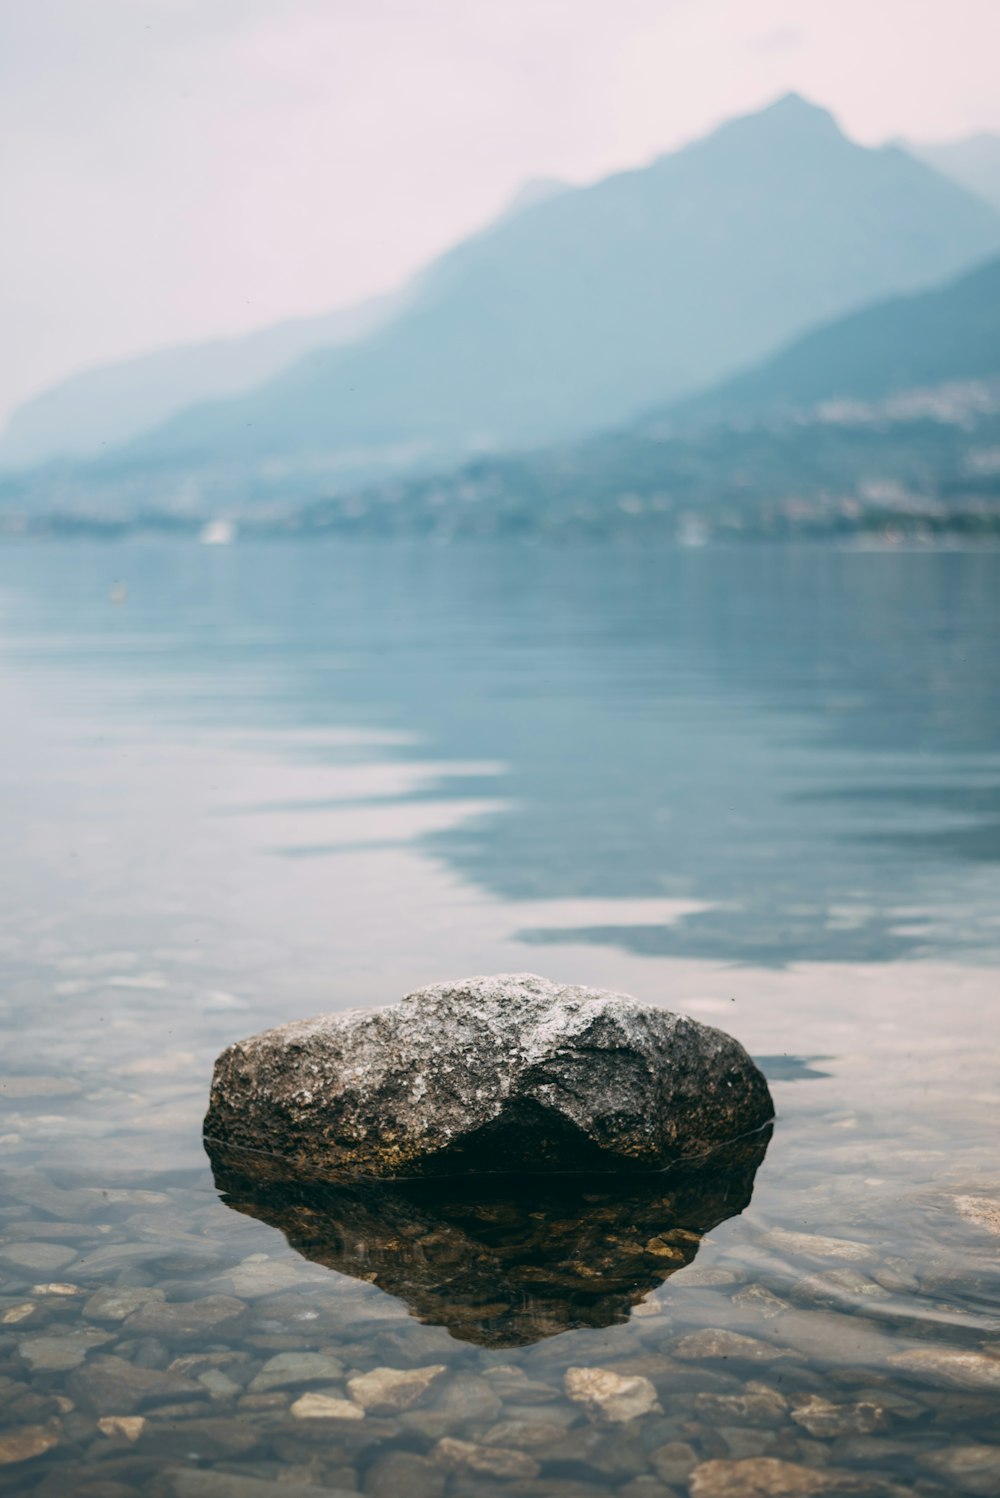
[508, 1073]
[611, 1395]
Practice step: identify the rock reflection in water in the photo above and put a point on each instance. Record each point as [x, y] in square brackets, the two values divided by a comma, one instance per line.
[502, 1261]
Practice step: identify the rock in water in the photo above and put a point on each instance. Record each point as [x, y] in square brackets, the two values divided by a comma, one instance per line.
[509, 1073]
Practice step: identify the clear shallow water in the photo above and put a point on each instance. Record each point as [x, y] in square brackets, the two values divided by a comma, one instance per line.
[244, 785]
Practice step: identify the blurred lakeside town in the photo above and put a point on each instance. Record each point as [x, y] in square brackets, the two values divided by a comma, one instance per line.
[924, 468]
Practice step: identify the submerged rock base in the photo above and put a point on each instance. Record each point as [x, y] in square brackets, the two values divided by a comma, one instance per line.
[502, 1261]
[501, 1074]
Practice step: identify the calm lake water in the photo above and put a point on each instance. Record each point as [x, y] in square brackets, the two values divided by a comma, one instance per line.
[247, 784]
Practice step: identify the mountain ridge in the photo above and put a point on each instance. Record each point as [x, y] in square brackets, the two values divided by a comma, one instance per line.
[889, 416]
[113, 402]
[924, 339]
[599, 301]
[973, 162]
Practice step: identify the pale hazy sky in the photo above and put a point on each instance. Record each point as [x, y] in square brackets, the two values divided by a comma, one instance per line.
[175, 169]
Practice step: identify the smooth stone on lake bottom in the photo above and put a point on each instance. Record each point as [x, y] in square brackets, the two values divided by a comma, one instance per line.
[715, 1342]
[767, 1477]
[974, 1469]
[115, 1302]
[501, 1073]
[13, 1314]
[952, 1367]
[387, 1391]
[198, 1482]
[672, 1462]
[315, 1405]
[490, 1461]
[524, 1435]
[287, 1369]
[111, 1385]
[404, 1472]
[20, 1445]
[614, 1396]
[186, 1318]
[130, 1427]
[61, 1352]
[460, 1403]
[756, 1405]
[824, 1419]
[981, 1210]
[819, 1246]
[259, 1275]
[37, 1255]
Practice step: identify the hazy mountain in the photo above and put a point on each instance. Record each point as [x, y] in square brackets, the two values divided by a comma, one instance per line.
[583, 308]
[973, 162]
[101, 408]
[889, 415]
[950, 333]
[87, 414]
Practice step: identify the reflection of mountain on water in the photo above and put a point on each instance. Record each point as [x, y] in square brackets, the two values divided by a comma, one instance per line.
[749, 933]
[502, 1261]
[765, 732]
[802, 740]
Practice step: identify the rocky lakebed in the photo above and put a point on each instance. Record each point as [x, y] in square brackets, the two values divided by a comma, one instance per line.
[136, 1358]
[441, 1323]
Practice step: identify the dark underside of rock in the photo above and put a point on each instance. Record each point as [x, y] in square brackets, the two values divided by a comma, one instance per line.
[502, 1261]
[505, 1074]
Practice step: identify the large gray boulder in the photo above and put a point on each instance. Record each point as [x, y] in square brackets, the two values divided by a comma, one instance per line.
[509, 1073]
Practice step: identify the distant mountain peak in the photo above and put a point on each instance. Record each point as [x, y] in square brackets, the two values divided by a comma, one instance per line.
[794, 103]
[790, 112]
